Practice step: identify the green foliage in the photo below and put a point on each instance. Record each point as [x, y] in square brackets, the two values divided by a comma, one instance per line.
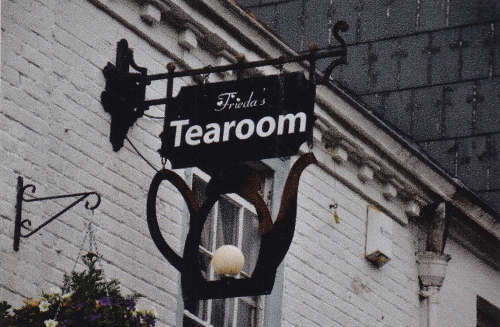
[88, 301]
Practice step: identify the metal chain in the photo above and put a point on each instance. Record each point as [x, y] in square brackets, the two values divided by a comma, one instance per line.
[66, 283]
[205, 78]
[90, 234]
[281, 80]
[93, 246]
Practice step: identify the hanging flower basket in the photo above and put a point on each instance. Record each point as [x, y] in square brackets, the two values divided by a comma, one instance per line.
[87, 300]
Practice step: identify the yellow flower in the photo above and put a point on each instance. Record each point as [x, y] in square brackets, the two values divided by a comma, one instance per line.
[55, 291]
[31, 302]
[67, 296]
[51, 323]
[151, 311]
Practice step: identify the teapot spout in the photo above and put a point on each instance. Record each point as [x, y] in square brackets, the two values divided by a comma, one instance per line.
[290, 191]
[276, 241]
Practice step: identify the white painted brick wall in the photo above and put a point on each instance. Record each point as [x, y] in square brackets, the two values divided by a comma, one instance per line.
[328, 281]
[54, 133]
[467, 277]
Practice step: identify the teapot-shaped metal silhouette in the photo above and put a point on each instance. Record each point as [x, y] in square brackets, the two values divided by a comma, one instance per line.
[276, 236]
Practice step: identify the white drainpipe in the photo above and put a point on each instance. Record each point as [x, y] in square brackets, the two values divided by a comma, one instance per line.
[431, 272]
[431, 293]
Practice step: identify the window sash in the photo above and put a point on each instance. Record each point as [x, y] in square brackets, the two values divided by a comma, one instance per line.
[244, 213]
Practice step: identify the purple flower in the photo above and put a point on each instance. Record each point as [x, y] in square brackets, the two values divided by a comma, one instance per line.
[105, 301]
[149, 319]
[130, 304]
[95, 317]
[80, 305]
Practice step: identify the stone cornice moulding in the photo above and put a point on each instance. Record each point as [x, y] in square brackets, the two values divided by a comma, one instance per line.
[372, 191]
[223, 43]
[173, 22]
[365, 156]
[398, 161]
[246, 28]
[175, 16]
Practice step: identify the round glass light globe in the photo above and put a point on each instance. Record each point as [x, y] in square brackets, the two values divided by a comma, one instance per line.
[228, 260]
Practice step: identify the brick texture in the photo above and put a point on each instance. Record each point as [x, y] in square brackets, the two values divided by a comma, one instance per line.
[54, 133]
[346, 290]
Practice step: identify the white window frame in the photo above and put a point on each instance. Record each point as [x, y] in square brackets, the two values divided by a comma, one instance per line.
[242, 205]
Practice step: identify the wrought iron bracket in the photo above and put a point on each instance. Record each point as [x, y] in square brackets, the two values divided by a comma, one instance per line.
[124, 96]
[124, 93]
[20, 224]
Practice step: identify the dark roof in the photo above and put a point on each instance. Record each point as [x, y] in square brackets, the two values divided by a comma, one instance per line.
[429, 68]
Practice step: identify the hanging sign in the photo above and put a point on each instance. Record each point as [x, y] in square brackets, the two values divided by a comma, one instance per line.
[245, 120]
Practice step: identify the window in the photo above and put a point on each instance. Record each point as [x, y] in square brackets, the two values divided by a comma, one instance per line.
[487, 314]
[232, 221]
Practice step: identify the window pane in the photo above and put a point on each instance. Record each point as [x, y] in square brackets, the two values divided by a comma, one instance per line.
[205, 264]
[227, 223]
[250, 241]
[190, 323]
[207, 236]
[199, 187]
[247, 314]
[222, 312]
[201, 309]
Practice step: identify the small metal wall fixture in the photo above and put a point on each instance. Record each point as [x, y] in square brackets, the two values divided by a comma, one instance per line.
[20, 224]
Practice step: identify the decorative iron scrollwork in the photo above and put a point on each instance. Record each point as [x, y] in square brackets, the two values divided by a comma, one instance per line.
[124, 99]
[340, 26]
[21, 224]
[124, 94]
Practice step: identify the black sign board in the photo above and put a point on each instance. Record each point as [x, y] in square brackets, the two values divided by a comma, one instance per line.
[244, 120]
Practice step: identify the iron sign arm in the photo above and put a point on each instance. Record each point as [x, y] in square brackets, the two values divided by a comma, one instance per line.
[312, 57]
[124, 94]
[313, 54]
